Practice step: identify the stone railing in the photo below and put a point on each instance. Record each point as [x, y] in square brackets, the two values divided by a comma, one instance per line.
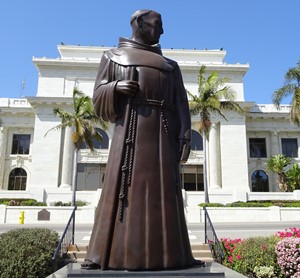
[57, 215]
[85, 215]
[14, 102]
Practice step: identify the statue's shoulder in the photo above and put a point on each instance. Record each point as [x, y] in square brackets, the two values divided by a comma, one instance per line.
[114, 52]
[127, 56]
[172, 62]
[119, 56]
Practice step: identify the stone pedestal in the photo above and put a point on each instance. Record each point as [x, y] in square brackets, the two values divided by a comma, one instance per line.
[211, 270]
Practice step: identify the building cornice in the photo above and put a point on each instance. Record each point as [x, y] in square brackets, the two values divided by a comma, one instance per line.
[188, 59]
[34, 101]
[71, 51]
[94, 64]
[74, 63]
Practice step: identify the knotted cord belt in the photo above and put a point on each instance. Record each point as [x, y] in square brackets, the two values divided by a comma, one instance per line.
[154, 102]
[129, 146]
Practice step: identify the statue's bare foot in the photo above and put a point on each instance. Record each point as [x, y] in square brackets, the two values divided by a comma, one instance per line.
[87, 264]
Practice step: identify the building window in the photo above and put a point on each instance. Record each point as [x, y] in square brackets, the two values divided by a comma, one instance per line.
[90, 176]
[99, 145]
[197, 141]
[258, 147]
[289, 147]
[259, 181]
[192, 178]
[17, 179]
[20, 144]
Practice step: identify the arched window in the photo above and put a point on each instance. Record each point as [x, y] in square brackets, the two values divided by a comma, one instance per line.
[99, 145]
[17, 179]
[197, 141]
[259, 181]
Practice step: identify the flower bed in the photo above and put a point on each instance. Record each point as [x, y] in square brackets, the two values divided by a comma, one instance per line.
[274, 256]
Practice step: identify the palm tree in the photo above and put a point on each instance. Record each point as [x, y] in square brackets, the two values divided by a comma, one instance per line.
[277, 164]
[213, 97]
[83, 122]
[291, 88]
[293, 177]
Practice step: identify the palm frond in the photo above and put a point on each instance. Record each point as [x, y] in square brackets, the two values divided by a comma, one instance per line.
[282, 93]
[64, 115]
[293, 74]
[212, 79]
[60, 126]
[83, 120]
[210, 97]
[201, 79]
[291, 87]
[232, 105]
[295, 107]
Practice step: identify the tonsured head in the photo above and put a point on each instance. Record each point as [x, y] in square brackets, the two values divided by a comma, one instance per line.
[146, 26]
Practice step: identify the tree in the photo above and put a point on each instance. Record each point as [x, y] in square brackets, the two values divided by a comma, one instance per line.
[290, 88]
[83, 122]
[293, 177]
[213, 97]
[277, 164]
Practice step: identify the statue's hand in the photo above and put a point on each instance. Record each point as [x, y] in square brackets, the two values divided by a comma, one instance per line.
[184, 150]
[127, 87]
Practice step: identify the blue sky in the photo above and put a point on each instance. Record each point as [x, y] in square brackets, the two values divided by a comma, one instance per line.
[263, 33]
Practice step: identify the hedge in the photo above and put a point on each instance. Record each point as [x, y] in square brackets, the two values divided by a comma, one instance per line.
[27, 253]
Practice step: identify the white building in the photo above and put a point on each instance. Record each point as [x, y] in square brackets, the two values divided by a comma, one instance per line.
[38, 166]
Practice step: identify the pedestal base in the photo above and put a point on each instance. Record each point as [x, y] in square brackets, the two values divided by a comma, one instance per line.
[211, 270]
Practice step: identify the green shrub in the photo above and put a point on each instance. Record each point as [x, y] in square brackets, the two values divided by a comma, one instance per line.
[258, 203]
[291, 204]
[256, 252]
[250, 204]
[32, 202]
[61, 204]
[27, 253]
[68, 204]
[21, 202]
[81, 203]
[211, 205]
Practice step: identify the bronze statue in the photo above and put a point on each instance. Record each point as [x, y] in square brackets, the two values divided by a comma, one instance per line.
[139, 222]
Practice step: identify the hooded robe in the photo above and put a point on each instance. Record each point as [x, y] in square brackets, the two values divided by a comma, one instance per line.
[139, 221]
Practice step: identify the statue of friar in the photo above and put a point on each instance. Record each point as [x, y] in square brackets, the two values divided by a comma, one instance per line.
[139, 221]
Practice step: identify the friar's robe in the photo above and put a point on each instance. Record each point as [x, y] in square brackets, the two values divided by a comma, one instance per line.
[145, 228]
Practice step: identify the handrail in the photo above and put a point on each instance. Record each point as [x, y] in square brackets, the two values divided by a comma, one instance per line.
[212, 239]
[65, 241]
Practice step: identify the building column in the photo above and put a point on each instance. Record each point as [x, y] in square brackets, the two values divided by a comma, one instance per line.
[3, 144]
[214, 157]
[274, 144]
[67, 159]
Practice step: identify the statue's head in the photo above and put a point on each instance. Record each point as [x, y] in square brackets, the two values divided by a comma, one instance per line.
[146, 26]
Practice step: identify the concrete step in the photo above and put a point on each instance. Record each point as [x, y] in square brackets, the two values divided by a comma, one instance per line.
[200, 246]
[77, 253]
[200, 251]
